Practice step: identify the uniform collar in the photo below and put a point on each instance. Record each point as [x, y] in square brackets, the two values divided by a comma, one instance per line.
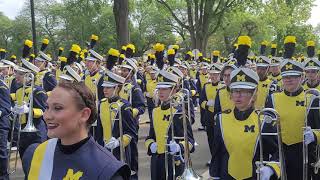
[293, 93]
[242, 115]
[313, 86]
[165, 105]
[113, 99]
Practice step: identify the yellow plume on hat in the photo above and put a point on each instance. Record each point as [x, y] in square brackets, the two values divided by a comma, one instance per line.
[122, 56]
[61, 48]
[45, 41]
[171, 52]
[94, 37]
[290, 39]
[75, 48]
[216, 53]
[63, 59]
[124, 48]
[200, 54]
[28, 43]
[158, 47]
[175, 46]
[190, 53]
[265, 43]
[114, 52]
[244, 40]
[131, 46]
[13, 57]
[311, 43]
[273, 46]
[32, 55]
[2, 50]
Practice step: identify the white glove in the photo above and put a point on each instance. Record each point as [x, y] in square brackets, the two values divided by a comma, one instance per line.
[147, 94]
[174, 147]
[112, 143]
[210, 102]
[153, 148]
[266, 172]
[21, 109]
[308, 135]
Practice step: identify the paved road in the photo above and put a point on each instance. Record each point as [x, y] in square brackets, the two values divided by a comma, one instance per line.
[199, 157]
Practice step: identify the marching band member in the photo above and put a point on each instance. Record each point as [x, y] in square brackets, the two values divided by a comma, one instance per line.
[291, 106]
[274, 71]
[39, 99]
[150, 90]
[311, 67]
[71, 153]
[131, 92]
[262, 66]
[108, 129]
[93, 73]
[222, 99]
[233, 159]
[202, 79]
[207, 100]
[5, 108]
[156, 142]
[44, 78]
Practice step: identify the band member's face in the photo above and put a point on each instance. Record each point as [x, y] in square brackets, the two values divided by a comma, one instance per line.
[164, 94]
[291, 83]
[5, 71]
[262, 72]
[153, 76]
[214, 77]
[226, 76]
[242, 98]
[19, 77]
[125, 72]
[312, 74]
[91, 65]
[184, 71]
[108, 92]
[64, 119]
[204, 70]
[274, 70]
[39, 64]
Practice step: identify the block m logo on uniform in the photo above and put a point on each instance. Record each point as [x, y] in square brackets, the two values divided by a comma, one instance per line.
[248, 128]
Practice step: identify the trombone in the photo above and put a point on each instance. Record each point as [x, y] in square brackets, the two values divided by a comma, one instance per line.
[115, 108]
[269, 115]
[311, 95]
[182, 98]
[29, 128]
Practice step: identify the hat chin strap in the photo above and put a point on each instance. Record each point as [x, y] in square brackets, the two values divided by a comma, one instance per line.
[251, 99]
[114, 91]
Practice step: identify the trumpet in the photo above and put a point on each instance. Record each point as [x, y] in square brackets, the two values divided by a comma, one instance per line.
[29, 128]
[310, 96]
[181, 99]
[269, 116]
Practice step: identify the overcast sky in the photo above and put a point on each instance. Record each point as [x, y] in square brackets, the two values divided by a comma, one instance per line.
[11, 8]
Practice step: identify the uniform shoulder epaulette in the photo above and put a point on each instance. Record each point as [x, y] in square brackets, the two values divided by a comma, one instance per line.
[227, 111]
[101, 72]
[222, 87]
[103, 99]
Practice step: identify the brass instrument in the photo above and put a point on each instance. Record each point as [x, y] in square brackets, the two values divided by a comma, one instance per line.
[181, 99]
[310, 96]
[269, 115]
[115, 107]
[29, 128]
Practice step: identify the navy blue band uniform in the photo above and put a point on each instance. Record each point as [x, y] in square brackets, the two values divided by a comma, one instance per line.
[5, 108]
[73, 162]
[233, 159]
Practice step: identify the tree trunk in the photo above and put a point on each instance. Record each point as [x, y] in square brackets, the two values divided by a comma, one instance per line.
[121, 11]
